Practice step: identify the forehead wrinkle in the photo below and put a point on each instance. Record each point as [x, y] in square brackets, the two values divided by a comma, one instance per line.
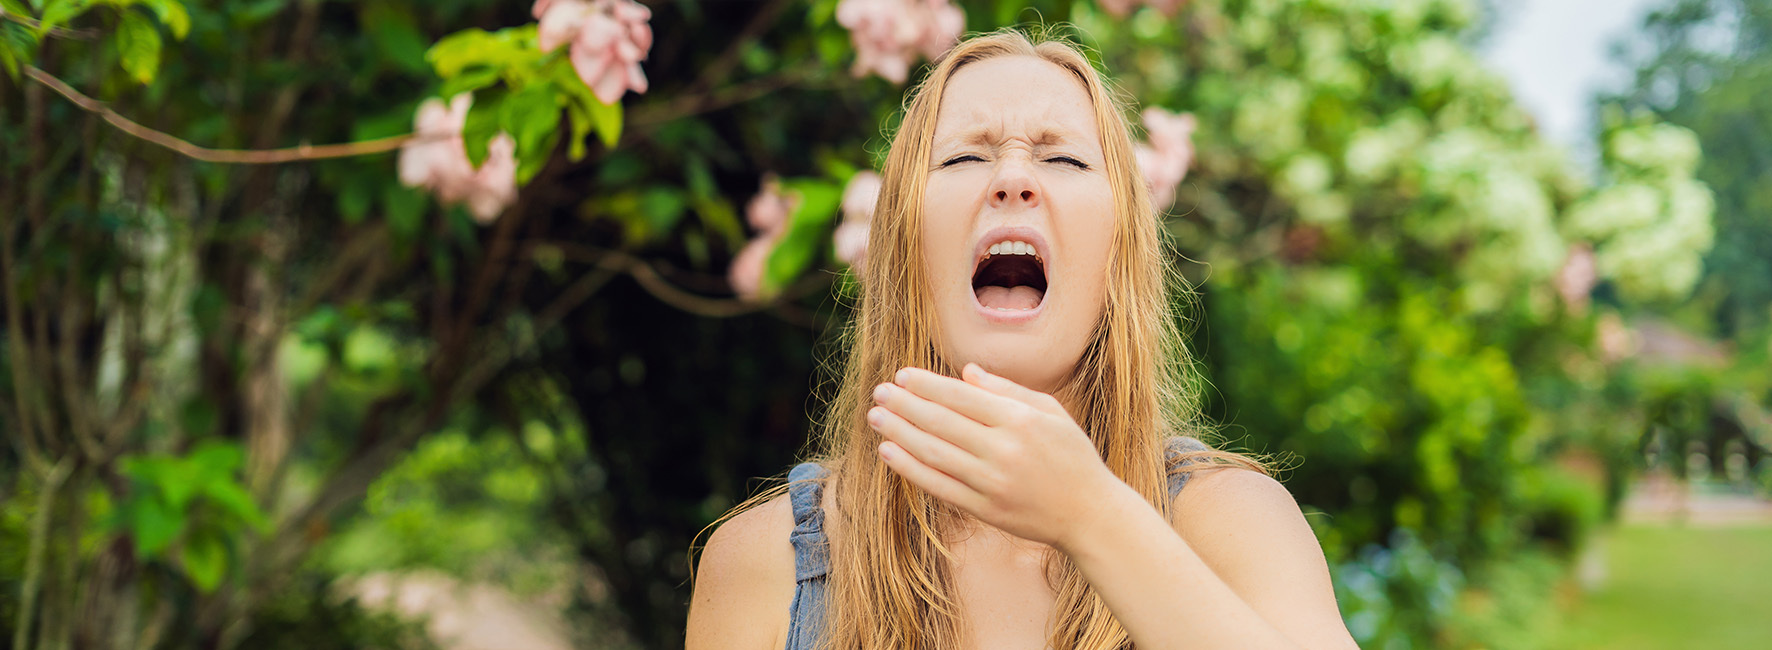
[986, 135]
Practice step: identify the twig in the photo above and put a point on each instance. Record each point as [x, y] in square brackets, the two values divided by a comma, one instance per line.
[696, 103]
[27, 595]
[648, 277]
[724, 63]
[225, 156]
[60, 32]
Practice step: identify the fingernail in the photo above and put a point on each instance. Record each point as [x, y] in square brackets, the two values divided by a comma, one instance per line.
[903, 374]
[874, 416]
[880, 392]
[884, 453]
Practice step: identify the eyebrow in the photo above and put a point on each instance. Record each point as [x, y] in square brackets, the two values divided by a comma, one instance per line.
[984, 135]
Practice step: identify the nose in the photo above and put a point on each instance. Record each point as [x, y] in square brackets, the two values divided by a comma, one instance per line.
[1013, 187]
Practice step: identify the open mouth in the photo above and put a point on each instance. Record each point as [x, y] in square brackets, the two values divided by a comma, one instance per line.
[1011, 276]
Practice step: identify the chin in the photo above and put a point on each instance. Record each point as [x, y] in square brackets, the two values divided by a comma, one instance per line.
[1027, 358]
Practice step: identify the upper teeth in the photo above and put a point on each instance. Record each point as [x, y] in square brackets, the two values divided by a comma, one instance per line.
[1012, 248]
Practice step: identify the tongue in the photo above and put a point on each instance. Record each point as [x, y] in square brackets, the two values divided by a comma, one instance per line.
[1022, 297]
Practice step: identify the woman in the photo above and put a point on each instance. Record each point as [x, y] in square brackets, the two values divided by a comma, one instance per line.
[1002, 464]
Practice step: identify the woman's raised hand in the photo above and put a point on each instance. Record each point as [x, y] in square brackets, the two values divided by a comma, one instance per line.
[1005, 453]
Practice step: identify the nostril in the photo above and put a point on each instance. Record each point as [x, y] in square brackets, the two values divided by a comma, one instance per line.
[1002, 195]
[1027, 194]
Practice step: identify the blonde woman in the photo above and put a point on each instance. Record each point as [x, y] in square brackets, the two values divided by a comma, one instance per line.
[1002, 465]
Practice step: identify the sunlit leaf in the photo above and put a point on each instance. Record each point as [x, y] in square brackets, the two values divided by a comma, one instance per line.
[807, 232]
[138, 47]
[153, 525]
[205, 560]
[172, 14]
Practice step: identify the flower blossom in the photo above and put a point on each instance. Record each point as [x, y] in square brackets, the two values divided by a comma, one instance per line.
[1171, 150]
[769, 213]
[1120, 8]
[888, 34]
[1576, 279]
[851, 236]
[606, 39]
[436, 159]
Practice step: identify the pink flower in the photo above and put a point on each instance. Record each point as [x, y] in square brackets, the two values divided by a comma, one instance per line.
[1121, 8]
[769, 213]
[851, 236]
[495, 186]
[888, 34]
[1171, 150]
[436, 159]
[608, 40]
[1576, 279]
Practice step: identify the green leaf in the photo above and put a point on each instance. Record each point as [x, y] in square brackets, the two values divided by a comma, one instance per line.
[469, 81]
[807, 231]
[58, 12]
[607, 117]
[162, 476]
[391, 27]
[580, 117]
[212, 461]
[485, 119]
[532, 117]
[138, 45]
[506, 48]
[153, 525]
[18, 46]
[205, 559]
[715, 211]
[662, 208]
[235, 500]
[172, 14]
[16, 8]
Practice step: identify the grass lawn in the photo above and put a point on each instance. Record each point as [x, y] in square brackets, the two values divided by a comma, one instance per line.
[1678, 587]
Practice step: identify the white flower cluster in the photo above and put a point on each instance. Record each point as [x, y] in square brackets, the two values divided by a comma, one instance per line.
[1652, 227]
[1492, 192]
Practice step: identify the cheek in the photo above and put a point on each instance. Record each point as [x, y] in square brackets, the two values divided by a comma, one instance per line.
[944, 236]
[1088, 234]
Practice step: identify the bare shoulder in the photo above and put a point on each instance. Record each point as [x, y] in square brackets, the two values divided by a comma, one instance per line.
[1228, 513]
[1248, 528]
[744, 581]
[1223, 491]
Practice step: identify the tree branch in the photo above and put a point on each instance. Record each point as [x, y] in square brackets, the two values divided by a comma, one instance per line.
[27, 595]
[224, 156]
[654, 283]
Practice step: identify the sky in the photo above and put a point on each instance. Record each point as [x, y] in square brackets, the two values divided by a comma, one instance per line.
[1555, 56]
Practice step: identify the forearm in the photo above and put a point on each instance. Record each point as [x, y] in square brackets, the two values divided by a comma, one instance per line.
[1158, 587]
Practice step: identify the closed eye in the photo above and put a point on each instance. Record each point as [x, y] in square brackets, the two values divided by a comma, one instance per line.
[1080, 164]
[960, 159]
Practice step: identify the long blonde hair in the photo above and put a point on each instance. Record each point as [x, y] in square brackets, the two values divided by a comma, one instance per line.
[891, 578]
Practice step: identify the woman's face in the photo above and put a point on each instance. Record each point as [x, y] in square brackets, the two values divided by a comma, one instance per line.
[1018, 219]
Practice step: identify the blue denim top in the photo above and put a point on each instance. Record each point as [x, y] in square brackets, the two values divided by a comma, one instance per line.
[812, 559]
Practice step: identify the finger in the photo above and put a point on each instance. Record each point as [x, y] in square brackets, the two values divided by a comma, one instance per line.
[931, 480]
[927, 447]
[932, 417]
[966, 399]
[1004, 387]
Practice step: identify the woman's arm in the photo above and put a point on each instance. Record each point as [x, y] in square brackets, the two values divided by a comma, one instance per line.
[1244, 571]
[1240, 568]
[744, 584]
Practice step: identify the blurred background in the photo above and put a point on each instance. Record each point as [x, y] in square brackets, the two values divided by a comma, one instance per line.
[450, 324]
